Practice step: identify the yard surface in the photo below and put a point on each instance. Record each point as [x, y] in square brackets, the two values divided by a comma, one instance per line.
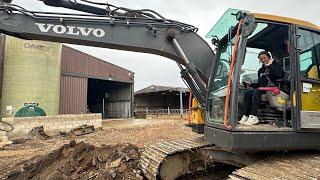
[137, 132]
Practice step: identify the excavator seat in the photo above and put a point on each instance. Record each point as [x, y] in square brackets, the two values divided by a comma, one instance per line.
[276, 104]
[275, 97]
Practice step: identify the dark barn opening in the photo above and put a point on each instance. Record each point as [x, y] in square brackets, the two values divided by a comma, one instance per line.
[112, 99]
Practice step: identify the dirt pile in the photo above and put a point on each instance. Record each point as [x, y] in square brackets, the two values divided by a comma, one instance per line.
[38, 133]
[84, 161]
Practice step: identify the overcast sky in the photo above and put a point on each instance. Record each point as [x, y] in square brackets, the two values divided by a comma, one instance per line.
[157, 70]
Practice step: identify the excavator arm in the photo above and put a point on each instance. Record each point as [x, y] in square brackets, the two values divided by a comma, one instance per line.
[117, 28]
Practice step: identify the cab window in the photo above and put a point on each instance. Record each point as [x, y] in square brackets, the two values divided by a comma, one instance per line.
[309, 54]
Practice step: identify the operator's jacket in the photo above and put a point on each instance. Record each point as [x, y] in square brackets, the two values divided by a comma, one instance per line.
[267, 76]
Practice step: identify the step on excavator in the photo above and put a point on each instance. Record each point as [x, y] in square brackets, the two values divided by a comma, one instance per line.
[284, 145]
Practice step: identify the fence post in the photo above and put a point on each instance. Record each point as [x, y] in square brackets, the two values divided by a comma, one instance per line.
[168, 111]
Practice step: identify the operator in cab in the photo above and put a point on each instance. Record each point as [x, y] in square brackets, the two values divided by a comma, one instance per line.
[269, 72]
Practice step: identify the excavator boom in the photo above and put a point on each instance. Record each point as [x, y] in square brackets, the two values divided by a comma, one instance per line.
[136, 31]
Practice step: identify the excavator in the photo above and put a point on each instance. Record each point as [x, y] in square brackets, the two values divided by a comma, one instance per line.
[289, 116]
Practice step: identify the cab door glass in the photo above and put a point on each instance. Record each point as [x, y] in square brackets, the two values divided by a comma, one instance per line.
[309, 58]
[305, 61]
[309, 47]
[217, 94]
[250, 66]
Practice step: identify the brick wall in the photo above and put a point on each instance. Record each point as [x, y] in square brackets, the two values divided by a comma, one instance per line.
[52, 123]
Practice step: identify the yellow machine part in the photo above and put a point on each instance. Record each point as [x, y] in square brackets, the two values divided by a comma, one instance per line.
[311, 100]
[313, 73]
[196, 113]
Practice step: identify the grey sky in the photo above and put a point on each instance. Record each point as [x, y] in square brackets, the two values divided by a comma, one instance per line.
[156, 70]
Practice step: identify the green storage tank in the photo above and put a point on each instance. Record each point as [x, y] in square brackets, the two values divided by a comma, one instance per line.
[31, 76]
[29, 111]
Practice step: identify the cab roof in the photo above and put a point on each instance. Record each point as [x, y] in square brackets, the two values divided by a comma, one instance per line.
[228, 19]
[286, 20]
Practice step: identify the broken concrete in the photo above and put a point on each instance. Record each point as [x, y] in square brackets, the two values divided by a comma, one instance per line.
[4, 141]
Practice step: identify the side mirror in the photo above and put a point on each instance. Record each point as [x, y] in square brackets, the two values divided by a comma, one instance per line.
[215, 40]
[249, 25]
[240, 15]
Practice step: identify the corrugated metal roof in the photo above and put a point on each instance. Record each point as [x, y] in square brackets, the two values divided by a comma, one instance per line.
[154, 88]
[79, 64]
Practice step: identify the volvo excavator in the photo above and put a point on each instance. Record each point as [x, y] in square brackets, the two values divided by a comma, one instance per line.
[284, 145]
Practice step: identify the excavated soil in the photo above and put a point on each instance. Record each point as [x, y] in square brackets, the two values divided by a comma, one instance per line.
[84, 161]
[42, 159]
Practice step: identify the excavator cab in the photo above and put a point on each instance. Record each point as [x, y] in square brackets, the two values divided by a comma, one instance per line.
[290, 110]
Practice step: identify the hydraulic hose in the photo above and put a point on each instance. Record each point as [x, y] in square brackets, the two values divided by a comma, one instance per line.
[6, 124]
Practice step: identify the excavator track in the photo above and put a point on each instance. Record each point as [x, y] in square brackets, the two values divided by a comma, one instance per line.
[172, 159]
[297, 165]
[157, 160]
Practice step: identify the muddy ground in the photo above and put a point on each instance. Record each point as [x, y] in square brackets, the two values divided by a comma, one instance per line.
[114, 149]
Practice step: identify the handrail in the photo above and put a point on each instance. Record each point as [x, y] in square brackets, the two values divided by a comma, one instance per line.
[226, 107]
